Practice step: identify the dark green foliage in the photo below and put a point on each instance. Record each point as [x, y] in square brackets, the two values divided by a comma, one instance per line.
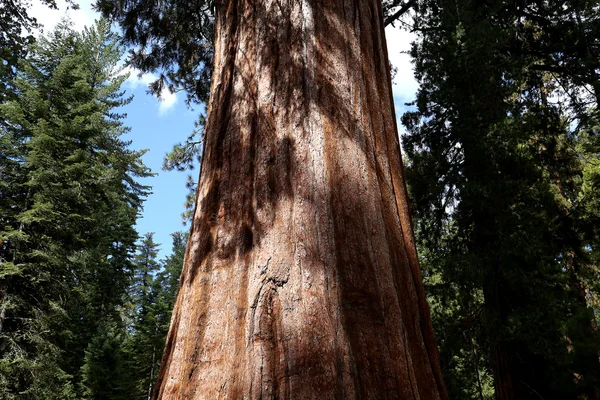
[497, 152]
[174, 39]
[153, 294]
[105, 373]
[169, 277]
[145, 343]
[14, 22]
[145, 266]
[67, 228]
[80, 316]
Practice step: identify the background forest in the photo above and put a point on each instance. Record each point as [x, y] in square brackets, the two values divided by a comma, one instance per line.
[502, 155]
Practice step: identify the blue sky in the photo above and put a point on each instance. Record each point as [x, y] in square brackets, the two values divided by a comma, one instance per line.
[158, 131]
[158, 125]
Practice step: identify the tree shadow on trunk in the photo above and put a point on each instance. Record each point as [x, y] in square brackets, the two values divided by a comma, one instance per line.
[301, 278]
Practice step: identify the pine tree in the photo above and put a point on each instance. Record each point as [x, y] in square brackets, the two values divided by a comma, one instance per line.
[152, 297]
[169, 276]
[145, 338]
[145, 267]
[105, 374]
[67, 237]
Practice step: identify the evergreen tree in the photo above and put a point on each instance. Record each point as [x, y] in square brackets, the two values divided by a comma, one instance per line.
[146, 340]
[152, 299]
[15, 38]
[67, 234]
[145, 267]
[105, 372]
[169, 276]
[496, 169]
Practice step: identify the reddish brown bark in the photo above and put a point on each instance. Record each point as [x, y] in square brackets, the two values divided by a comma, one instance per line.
[301, 279]
[502, 374]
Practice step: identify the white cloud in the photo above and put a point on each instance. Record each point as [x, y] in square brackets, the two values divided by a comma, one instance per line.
[405, 85]
[166, 101]
[135, 80]
[49, 18]
[398, 43]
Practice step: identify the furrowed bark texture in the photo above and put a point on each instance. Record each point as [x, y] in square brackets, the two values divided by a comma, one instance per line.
[301, 279]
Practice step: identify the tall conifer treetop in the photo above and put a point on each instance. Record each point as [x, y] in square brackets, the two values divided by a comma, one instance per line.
[66, 228]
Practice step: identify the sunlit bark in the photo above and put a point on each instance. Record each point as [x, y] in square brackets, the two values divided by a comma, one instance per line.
[301, 279]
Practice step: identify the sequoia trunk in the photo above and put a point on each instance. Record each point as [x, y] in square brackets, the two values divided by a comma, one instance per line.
[301, 279]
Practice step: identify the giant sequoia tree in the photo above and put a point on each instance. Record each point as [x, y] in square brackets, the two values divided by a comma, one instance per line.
[301, 279]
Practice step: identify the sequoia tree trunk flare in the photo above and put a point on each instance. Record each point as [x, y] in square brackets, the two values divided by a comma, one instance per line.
[301, 278]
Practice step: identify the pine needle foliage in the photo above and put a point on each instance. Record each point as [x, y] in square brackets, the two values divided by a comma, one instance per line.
[152, 296]
[67, 226]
